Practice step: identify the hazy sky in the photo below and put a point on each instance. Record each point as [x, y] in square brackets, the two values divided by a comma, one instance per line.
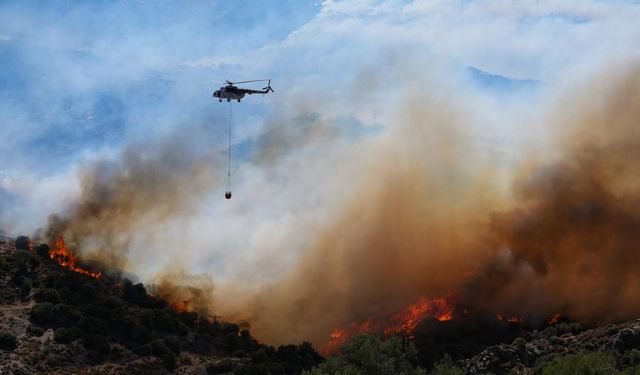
[80, 81]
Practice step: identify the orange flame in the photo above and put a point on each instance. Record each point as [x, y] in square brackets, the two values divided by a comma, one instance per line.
[180, 306]
[61, 254]
[554, 319]
[404, 322]
[407, 320]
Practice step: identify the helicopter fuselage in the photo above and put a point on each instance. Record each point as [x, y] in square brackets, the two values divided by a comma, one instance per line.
[235, 93]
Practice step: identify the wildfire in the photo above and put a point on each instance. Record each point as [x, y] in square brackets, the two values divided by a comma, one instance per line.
[180, 306]
[61, 254]
[404, 322]
[554, 319]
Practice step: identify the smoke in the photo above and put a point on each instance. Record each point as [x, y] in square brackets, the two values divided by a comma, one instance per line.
[426, 216]
[571, 239]
[374, 222]
[129, 198]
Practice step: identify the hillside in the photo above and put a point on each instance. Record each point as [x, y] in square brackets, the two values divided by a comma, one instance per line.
[57, 321]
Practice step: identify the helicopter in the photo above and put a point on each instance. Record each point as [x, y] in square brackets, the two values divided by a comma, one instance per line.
[230, 91]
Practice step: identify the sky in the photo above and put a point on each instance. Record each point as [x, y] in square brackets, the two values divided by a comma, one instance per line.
[81, 80]
[82, 83]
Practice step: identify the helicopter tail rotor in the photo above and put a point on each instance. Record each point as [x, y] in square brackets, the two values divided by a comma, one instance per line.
[268, 88]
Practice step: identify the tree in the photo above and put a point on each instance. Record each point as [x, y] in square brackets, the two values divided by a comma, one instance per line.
[23, 243]
[370, 355]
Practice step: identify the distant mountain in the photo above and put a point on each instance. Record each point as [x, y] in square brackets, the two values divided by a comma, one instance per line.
[496, 82]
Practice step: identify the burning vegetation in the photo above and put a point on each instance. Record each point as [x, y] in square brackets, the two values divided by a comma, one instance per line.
[61, 254]
[424, 218]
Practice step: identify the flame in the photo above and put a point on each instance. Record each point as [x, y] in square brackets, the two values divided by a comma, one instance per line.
[180, 306]
[555, 318]
[403, 322]
[61, 254]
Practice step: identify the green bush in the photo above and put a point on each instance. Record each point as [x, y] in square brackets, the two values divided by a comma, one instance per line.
[23, 243]
[43, 250]
[231, 341]
[20, 259]
[161, 351]
[446, 367]
[260, 368]
[34, 261]
[47, 295]
[369, 354]
[42, 313]
[222, 367]
[66, 335]
[35, 331]
[230, 328]
[173, 344]
[91, 325]
[8, 341]
[168, 321]
[98, 343]
[593, 363]
[135, 331]
[66, 315]
[631, 358]
[26, 285]
[519, 341]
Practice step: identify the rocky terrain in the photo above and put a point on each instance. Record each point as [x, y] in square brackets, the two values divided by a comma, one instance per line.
[617, 344]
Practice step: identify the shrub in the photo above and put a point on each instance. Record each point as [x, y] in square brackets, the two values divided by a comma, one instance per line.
[631, 358]
[446, 367]
[91, 325]
[26, 285]
[43, 250]
[66, 315]
[222, 367]
[173, 344]
[231, 341]
[87, 293]
[47, 295]
[34, 261]
[8, 341]
[369, 354]
[66, 335]
[580, 364]
[35, 331]
[135, 294]
[260, 368]
[98, 312]
[19, 259]
[23, 243]
[167, 320]
[134, 331]
[159, 348]
[169, 360]
[98, 343]
[42, 313]
[519, 341]
[230, 328]
[69, 296]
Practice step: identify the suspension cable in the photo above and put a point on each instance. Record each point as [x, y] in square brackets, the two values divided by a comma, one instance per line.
[229, 153]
